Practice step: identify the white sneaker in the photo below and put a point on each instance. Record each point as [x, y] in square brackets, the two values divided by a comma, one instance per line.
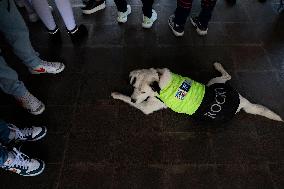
[122, 16]
[21, 164]
[31, 103]
[33, 17]
[27, 134]
[48, 67]
[148, 22]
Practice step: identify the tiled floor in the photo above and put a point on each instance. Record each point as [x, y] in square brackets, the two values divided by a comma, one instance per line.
[96, 142]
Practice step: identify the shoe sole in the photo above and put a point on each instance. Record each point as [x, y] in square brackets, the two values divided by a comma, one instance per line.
[177, 34]
[100, 7]
[40, 136]
[35, 174]
[39, 111]
[58, 71]
[124, 21]
[199, 32]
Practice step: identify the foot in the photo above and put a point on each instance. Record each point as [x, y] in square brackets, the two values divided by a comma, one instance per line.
[31, 103]
[48, 67]
[122, 16]
[54, 35]
[93, 6]
[21, 164]
[177, 30]
[148, 22]
[26, 134]
[201, 29]
[78, 34]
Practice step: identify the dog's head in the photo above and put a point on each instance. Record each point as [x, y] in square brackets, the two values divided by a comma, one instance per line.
[145, 83]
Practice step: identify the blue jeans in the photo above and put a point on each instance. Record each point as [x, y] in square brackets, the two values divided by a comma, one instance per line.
[16, 33]
[4, 139]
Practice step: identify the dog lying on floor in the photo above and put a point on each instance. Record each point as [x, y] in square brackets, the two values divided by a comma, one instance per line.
[156, 89]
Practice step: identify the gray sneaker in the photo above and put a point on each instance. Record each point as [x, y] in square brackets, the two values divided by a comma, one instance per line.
[31, 103]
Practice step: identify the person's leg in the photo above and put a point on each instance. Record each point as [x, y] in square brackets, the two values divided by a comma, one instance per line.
[149, 14]
[121, 5]
[147, 7]
[182, 11]
[10, 84]
[9, 81]
[16, 32]
[66, 12]
[4, 132]
[178, 19]
[205, 15]
[3, 155]
[44, 12]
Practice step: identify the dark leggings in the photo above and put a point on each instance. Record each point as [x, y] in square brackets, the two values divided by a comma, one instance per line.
[147, 6]
[184, 7]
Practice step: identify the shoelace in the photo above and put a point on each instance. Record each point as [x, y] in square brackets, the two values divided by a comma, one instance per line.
[21, 134]
[21, 160]
[48, 64]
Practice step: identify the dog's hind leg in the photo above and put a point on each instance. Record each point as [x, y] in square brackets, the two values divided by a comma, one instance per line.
[222, 79]
[257, 109]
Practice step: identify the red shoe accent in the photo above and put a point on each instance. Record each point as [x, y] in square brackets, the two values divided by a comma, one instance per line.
[40, 70]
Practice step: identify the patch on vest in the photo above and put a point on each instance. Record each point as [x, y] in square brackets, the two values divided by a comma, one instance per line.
[183, 89]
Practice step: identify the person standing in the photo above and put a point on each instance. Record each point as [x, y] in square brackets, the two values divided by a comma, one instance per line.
[178, 19]
[77, 33]
[14, 29]
[149, 14]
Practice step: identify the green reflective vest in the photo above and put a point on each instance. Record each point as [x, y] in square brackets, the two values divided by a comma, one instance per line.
[182, 94]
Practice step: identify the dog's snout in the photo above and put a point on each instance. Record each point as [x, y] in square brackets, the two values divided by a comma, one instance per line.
[133, 100]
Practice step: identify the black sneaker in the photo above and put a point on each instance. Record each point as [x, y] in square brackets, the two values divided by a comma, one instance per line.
[21, 164]
[54, 35]
[177, 30]
[93, 6]
[201, 30]
[27, 134]
[78, 34]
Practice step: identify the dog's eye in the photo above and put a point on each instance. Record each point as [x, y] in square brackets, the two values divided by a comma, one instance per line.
[143, 92]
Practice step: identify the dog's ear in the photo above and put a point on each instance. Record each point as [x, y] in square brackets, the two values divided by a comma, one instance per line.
[132, 80]
[155, 87]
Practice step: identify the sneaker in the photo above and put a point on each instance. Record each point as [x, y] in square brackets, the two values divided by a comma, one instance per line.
[78, 34]
[93, 6]
[148, 22]
[27, 134]
[21, 164]
[201, 30]
[177, 30]
[122, 16]
[54, 35]
[31, 103]
[48, 67]
[33, 17]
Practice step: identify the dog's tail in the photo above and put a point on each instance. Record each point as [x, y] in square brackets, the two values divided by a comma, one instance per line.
[258, 109]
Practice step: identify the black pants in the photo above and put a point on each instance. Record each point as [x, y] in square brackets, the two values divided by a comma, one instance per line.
[147, 6]
[184, 7]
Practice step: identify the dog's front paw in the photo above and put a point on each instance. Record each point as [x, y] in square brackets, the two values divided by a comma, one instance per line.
[116, 95]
